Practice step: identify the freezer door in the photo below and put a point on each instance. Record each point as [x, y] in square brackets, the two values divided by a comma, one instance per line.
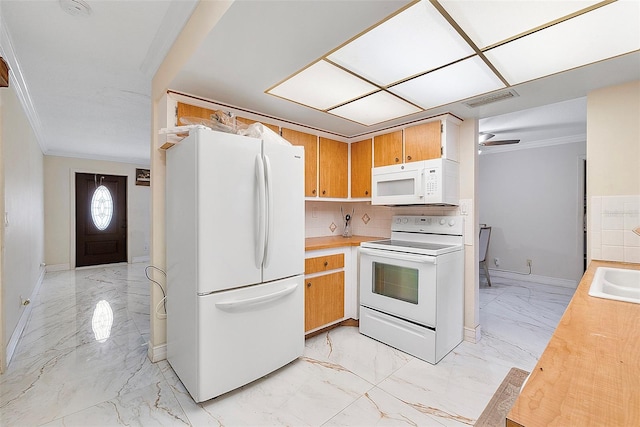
[227, 211]
[284, 169]
[244, 334]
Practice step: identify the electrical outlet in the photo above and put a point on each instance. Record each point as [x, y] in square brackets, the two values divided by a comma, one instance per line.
[496, 261]
[528, 263]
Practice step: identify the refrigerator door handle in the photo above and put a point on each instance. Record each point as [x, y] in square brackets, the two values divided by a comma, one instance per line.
[261, 212]
[262, 299]
[269, 198]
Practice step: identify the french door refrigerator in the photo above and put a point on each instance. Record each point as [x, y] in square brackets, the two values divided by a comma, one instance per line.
[235, 259]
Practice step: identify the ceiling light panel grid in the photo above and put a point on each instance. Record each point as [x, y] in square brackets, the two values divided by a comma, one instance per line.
[602, 33]
[461, 80]
[489, 22]
[322, 86]
[412, 42]
[376, 108]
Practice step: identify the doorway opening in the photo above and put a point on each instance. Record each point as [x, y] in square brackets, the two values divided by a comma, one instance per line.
[101, 219]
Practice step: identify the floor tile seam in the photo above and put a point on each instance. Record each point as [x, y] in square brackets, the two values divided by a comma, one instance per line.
[373, 386]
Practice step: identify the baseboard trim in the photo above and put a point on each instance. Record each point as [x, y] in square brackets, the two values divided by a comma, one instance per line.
[24, 318]
[157, 353]
[57, 267]
[545, 280]
[145, 258]
[473, 335]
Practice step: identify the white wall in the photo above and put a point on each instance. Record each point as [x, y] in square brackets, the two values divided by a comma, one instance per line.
[22, 169]
[531, 199]
[59, 203]
[613, 172]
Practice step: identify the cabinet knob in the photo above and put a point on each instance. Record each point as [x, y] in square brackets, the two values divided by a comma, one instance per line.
[397, 160]
[308, 284]
[324, 192]
[326, 263]
[313, 192]
[366, 193]
[408, 157]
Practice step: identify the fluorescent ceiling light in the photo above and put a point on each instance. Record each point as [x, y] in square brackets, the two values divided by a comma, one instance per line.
[461, 80]
[322, 86]
[600, 34]
[416, 40]
[488, 22]
[376, 108]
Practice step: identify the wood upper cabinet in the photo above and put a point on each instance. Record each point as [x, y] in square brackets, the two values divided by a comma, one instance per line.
[334, 170]
[361, 168]
[310, 144]
[323, 300]
[387, 149]
[247, 122]
[187, 110]
[422, 142]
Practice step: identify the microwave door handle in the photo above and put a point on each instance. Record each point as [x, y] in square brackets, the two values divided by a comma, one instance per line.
[421, 185]
[399, 256]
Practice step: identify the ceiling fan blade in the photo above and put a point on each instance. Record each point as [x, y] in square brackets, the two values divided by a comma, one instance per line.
[500, 142]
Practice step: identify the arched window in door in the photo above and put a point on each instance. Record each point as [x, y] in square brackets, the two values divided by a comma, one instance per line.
[101, 207]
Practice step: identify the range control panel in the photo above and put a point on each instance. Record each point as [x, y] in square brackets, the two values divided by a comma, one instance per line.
[434, 224]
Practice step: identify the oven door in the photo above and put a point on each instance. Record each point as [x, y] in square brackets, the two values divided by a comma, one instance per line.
[399, 284]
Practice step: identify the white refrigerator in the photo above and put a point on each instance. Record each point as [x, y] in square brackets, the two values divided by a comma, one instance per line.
[235, 259]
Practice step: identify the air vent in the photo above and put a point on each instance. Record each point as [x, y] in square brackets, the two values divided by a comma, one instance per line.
[492, 97]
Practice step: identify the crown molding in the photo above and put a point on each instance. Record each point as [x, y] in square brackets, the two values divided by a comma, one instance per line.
[533, 144]
[19, 85]
[133, 160]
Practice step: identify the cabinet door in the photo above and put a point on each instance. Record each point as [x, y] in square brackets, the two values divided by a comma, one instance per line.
[334, 171]
[310, 144]
[361, 168]
[387, 149]
[242, 121]
[323, 300]
[422, 142]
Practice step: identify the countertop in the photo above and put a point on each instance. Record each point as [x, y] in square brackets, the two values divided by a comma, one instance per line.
[326, 242]
[589, 374]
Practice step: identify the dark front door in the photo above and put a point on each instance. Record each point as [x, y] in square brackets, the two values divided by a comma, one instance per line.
[101, 219]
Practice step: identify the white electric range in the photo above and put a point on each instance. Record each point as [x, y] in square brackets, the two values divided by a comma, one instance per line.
[412, 286]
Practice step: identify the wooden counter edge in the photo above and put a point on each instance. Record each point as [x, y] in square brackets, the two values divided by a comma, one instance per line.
[516, 419]
[328, 242]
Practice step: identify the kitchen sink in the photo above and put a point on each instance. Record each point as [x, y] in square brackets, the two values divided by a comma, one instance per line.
[617, 284]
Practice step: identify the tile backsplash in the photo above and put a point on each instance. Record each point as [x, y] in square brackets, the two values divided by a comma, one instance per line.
[613, 221]
[325, 219]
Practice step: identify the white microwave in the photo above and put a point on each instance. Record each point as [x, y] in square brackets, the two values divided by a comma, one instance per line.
[427, 182]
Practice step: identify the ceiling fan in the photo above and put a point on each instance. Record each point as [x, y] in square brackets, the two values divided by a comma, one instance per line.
[483, 140]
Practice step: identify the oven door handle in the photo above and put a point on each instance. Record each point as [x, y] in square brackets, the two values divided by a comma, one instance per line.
[399, 256]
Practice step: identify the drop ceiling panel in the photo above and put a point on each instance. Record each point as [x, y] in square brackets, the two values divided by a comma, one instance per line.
[322, 86]
[461, 80]
[600, 34]
[416, 40]
[376, 108]
[490, 22]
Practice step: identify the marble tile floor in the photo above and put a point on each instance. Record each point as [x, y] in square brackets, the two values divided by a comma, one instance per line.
[67, 372]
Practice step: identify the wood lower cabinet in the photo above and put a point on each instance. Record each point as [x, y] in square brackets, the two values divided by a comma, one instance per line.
[361, 168]
[323, 300]
[323, 263]
[310, 144]
[423, 142]
[387, 149]
[334, 171]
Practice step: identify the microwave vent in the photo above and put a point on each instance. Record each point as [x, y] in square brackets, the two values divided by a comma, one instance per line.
[493, 97]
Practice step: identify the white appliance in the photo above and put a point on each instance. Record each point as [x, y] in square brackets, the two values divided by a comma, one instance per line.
[235, 259]
[412, 286]
[427, 182]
